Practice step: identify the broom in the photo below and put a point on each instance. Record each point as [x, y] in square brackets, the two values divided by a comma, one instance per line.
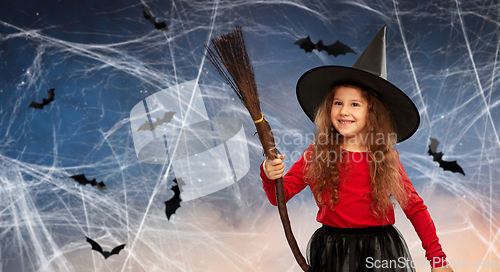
[231, 60]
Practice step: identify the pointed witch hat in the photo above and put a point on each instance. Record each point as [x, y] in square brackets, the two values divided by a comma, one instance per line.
[369, 72]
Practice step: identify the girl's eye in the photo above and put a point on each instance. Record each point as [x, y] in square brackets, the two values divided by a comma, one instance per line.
[355, 104]
[337, 103]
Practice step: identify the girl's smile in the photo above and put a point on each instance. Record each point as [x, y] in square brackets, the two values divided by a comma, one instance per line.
[349, 114]
[345, 122]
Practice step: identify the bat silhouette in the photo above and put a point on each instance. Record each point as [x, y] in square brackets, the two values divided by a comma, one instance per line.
[152, 126]
[174, 203]
[81, 179]
[438, 157]
[106, 254]
[334, 49]
[44, 101]
[147, 15]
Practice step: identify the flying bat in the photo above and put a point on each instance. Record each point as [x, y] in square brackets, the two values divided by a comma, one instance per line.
[147, 15]
[175, 202]
[438, 157]
[334, 49]
[106, 254]
[81, 179]
[152, 126]
[44, 101]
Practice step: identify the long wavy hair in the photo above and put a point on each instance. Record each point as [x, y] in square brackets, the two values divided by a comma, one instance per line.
[323, 170]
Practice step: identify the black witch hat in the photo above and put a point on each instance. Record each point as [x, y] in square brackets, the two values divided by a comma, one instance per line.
[369, 72]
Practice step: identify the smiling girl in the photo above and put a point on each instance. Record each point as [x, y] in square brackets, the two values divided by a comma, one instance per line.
[353, 177]
[348, 115]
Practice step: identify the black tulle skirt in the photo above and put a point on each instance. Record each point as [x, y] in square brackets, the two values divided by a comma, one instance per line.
[380, 248]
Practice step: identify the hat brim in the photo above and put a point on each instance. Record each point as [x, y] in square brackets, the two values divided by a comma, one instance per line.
[314, 85]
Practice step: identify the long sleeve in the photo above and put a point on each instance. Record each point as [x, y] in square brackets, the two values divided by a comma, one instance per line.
[353, 208]
[416, 211]
[293, 182]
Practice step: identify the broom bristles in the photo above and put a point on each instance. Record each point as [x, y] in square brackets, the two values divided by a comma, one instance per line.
[231, 60]
[233, 64]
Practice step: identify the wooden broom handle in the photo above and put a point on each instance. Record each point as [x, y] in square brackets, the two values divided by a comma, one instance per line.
[231, 54]
[280, 197]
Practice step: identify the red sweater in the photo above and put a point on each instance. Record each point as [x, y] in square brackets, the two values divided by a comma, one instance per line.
[353, 207]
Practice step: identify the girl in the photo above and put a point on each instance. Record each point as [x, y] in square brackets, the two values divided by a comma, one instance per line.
[352, 169]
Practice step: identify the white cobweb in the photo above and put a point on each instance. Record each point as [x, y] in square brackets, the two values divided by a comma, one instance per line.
[104, 59]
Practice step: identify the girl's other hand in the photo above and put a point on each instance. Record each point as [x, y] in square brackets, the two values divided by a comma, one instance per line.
[275, 168]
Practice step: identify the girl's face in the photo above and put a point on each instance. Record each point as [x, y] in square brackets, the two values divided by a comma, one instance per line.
[349, 113]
